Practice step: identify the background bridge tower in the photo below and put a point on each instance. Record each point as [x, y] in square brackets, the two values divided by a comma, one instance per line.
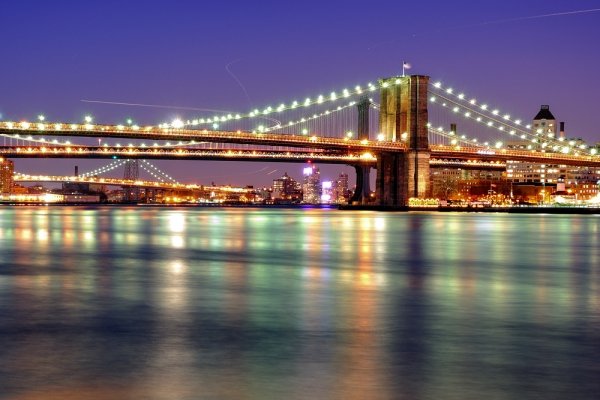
[362, 192]
[403, 117]
[132, 172]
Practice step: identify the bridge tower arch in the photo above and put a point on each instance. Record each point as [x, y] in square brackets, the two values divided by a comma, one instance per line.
[403, 116]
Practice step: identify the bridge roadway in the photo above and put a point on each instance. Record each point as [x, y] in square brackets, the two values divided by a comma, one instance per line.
[225, 154]
[354, 148]
[442, 156]
[195, 135]
[185, 153]
[504, 155]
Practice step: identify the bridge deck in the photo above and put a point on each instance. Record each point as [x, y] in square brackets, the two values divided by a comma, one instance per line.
[345, 149]
[155, 133]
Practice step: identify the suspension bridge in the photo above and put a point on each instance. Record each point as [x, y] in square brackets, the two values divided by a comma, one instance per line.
[160, 179]
[408, 131]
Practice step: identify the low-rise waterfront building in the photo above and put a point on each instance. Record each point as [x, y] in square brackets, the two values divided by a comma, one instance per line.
[7, 171]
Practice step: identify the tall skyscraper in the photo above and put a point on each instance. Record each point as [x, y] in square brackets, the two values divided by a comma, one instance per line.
[286, 188]
[341, 189]
[311, 186]
[7, 170]
[327, 192]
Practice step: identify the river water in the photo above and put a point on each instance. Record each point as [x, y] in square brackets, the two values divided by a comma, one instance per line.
[167, 303]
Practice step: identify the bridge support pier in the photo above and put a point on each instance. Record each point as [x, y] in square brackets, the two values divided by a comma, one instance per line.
[401, 176]
[149, 198]
[362, 193]
[403, 117]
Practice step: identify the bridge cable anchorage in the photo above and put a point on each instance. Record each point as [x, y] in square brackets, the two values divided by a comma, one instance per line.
[505, 120]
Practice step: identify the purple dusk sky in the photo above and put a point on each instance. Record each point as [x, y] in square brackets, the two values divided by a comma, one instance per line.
[56, 53]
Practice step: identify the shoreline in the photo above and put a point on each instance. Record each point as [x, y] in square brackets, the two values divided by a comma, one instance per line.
[508, 210]
[343, 207]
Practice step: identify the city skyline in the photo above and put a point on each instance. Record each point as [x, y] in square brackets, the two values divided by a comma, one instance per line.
[100, 56]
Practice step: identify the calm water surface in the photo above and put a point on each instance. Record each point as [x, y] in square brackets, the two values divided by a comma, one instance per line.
[145, 303]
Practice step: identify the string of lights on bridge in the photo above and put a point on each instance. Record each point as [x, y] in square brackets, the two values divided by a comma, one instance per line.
[467, 115]
[500, 121]
[56, 142]
[454, 137]
[469, 109]
[306, 119]
[154, 170]
[263, 112]
[557, 146]
[104, 169]
[256, 113]
[42, 126]
[490, 122]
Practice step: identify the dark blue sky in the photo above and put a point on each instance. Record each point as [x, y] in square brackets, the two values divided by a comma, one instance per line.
[56, 53]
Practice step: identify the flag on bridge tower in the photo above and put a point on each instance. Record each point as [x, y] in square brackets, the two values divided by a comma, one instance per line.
[405, 65]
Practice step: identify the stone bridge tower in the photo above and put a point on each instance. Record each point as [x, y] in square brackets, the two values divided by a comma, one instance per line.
[403, 117]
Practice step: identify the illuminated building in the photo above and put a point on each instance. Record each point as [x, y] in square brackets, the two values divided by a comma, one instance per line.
[452, 183]
[286, 188]
[45, 198]
[549, 178]
[544, 123]
[327, 196]
[7, 170]
[19, 189]
[311, 186]
[81, 188]
[543, 126]
[264, 195]
[341, 192]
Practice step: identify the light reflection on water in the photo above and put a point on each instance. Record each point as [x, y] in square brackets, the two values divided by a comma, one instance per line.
[257, 304]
